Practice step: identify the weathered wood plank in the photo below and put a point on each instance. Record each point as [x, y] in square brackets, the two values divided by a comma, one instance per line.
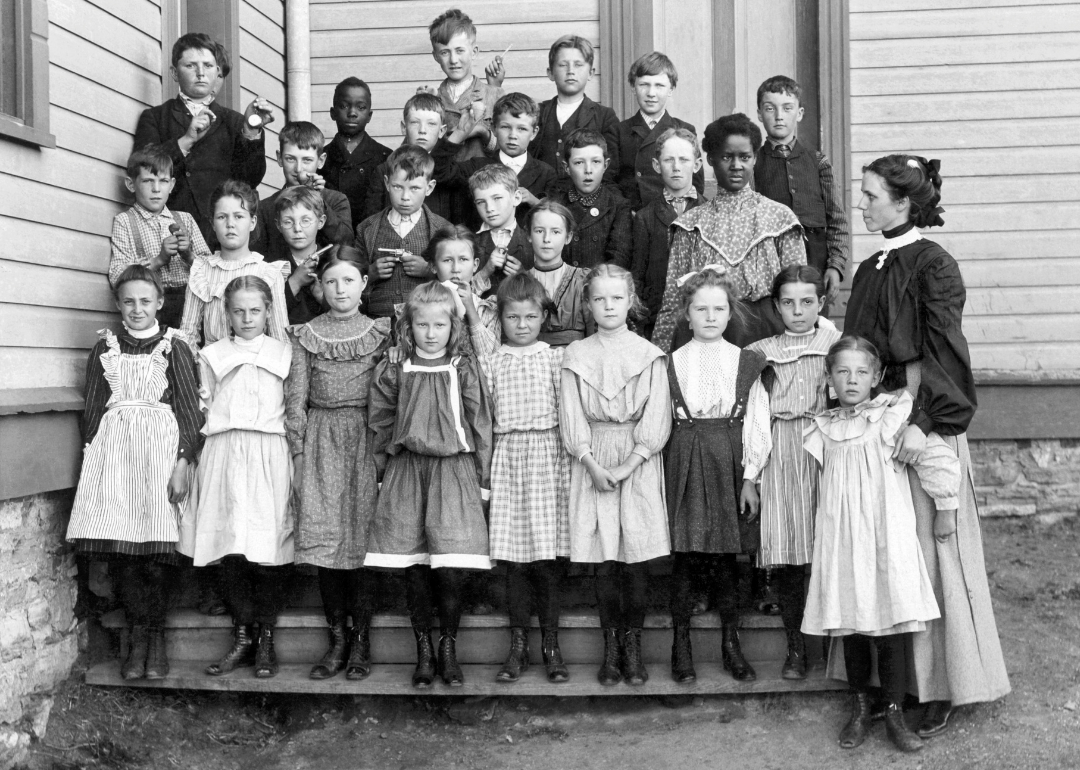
[1007, 217]
[26, 283]
[26, 326]
[392, 42]
[392, 96]
[254, 50]
[389, 14]
[256, 80]
[22, 199]
[1025, 357]
[63, 168]
[90, 138]
[43, 244]
[964, 78]
[964, 22]
[75, 54]
[382, 72]
[978, 161]
[1029, 299]
[878, 6]
[1002, 330]
[1006, 246]
[260, 27]
[108, 32]
[143, 15]
[996, 49]
[85, 97]
[965, 108]
[884, 137]
[42, 368]
[274, 10]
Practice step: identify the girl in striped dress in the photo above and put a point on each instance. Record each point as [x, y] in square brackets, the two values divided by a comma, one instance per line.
[717, 447]
[141, 427]
[240, 516]
[530, 470]
[334, 358]
[205, 319]
[797, 383]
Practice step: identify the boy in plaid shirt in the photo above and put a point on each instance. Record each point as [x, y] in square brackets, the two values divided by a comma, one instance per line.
[151, 235]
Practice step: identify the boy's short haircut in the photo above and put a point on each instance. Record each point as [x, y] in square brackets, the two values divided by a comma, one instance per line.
[451, 23]
[221, 53]
[780, 84]
[677, 133]
[350, 82]
[424, 103]
[517, 104]
[493, 174]
[570, 41]
[301, 195]
[413, 159]
[302, 135]
[583, 137]
[193, 40]
[153, 158]
[654, 63]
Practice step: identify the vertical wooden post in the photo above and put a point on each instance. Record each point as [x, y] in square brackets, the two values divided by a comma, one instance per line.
[626, 32]
[725, 65]
[835, 77]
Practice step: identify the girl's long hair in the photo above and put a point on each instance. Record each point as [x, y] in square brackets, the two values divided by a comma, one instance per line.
[431, 293]
[637, 313]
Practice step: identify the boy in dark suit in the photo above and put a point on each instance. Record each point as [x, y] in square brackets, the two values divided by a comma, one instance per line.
[503, 248]
[352, 156]
[653, 78]
[208, 143]
[604, 220]
[570, 63]
[515, 117]
[677, 162]
[802, 179]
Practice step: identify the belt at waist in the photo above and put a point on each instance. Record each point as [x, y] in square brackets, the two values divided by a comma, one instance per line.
[137, 403]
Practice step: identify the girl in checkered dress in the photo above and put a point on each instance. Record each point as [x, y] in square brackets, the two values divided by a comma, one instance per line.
[530, 470]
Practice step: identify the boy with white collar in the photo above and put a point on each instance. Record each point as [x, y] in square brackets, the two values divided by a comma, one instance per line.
[502, 245]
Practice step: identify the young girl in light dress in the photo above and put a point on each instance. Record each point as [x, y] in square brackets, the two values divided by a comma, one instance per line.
[615, 417]
[718, 445]
[529, 524]
[141, 427]
[797, 384]
[869, 583]
[431, 419]
[334, 359]
[240, 517]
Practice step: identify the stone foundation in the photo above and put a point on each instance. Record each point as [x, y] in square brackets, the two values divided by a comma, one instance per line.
[1027, 478]
[38, 640]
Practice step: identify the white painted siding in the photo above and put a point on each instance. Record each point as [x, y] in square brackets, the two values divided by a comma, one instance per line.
[992, 88]
[262, 73]
[57, 205]
[385, 43]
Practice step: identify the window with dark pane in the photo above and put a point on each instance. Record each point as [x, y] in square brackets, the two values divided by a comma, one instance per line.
[9, 70]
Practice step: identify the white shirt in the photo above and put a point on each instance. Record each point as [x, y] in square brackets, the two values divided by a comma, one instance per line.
[565, 111]
[403, 225]
[514, 164]
[550, 279]
[510, 226]
[652, 120]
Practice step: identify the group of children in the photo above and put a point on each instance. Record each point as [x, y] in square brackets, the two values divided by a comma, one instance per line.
[412, 395]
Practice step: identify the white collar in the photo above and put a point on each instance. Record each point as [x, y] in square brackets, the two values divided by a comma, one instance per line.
[429, 356]
[654, 121]
[514, 164]
[397, 218]
[520, 351]
[145, 334]
[146, 213]
[892, 244]
[511, 226]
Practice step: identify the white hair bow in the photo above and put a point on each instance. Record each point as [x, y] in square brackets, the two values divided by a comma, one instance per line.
[718, 269]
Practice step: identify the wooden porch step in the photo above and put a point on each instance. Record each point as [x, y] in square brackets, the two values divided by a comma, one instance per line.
[395, 679]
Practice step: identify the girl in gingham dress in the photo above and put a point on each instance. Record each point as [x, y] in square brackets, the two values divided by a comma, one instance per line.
[530, 470]
[797, 384]
[141, 425]
[205, 319]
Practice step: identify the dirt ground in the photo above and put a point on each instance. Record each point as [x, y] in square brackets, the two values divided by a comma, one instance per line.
[1035, 581]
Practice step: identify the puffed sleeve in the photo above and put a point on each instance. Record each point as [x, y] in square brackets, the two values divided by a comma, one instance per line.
[207, 385]
[198, 243]
[192, 319]
[382, 404]
[683, 245]
[476, 402]
[946, 400]
[279, 313]
[296, 399]
[790, 247]
[654, 427]
[123, 251]
[98, 392]
[184, 384]
[757, 432]
[938, 469]
[573, 424]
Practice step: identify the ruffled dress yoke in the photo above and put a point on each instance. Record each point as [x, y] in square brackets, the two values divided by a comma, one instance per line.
[240, 499]
[616, 401]
[333, 363]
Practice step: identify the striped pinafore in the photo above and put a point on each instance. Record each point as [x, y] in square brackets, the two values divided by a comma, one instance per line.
[123, 492]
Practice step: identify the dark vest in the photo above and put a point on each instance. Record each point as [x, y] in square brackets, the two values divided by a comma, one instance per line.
[793, 181]
[386, 295]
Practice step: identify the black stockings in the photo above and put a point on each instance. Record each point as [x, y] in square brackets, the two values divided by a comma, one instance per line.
[144, 590]
[424, 587]
[252, 592]
[892, 663]
[538, 581]
[687, 570]
[348, 592]
[622, 593]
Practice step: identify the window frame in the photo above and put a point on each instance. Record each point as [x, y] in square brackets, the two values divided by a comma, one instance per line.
[32, 60]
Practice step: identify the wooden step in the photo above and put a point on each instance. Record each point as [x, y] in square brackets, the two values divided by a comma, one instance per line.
[395, 679]
[301, 638]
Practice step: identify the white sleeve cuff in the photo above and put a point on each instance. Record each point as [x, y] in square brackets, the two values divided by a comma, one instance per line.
[485, 494]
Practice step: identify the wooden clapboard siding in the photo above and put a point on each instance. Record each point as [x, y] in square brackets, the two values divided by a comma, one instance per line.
[262, 73]
[57, 205]
[385, 43]
[992, 88]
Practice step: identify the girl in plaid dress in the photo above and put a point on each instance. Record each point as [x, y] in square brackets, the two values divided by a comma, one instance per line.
[530, 470]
